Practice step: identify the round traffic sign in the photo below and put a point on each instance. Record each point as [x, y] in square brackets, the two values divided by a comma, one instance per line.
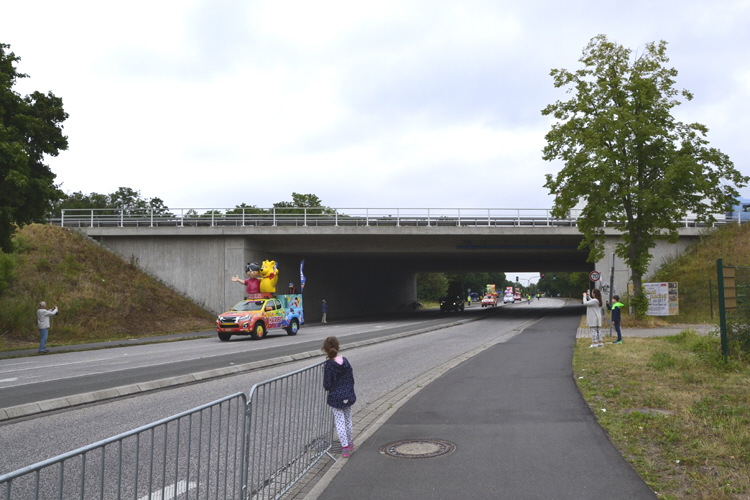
[594, 275]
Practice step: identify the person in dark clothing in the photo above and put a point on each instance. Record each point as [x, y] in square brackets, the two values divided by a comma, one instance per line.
[616, 316]
[338, 380]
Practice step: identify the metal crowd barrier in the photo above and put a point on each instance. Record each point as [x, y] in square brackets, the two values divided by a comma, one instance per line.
[237, 447]
[290, 428]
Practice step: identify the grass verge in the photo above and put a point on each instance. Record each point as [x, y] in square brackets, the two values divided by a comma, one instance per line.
[101, 297]
[678, 414]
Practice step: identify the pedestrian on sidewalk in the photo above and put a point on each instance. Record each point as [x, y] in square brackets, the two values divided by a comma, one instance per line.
[616, 316]
[43, 323]
[338, 380]
[593, 305]
[324, 308]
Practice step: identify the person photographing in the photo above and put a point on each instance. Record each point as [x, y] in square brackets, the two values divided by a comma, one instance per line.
[43, 316]
[593, 305]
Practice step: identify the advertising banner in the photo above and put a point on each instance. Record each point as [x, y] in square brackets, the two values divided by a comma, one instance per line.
[663, 299]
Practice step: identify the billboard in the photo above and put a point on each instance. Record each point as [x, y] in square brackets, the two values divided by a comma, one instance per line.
[663, 299]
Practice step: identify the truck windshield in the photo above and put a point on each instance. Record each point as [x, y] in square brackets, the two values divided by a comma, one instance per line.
[249, 305]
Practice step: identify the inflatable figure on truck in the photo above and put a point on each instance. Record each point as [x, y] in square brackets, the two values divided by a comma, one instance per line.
[252, 283]
[269, 276]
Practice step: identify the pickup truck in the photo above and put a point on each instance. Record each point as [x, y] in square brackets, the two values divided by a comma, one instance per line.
[256, 317]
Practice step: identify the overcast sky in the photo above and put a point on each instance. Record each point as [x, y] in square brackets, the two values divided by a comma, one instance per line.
[382, 104]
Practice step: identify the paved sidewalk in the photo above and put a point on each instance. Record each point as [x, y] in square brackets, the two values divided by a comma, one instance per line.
[519, 425]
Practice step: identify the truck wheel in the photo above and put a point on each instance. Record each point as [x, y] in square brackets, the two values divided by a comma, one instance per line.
[224, 336]
[259, 331]
[293, 327]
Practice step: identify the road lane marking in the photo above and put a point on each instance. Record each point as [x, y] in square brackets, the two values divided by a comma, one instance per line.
[170, 492]
[55, 365]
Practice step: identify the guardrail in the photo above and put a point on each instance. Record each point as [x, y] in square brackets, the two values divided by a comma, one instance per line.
[322, 217]
[238, 447]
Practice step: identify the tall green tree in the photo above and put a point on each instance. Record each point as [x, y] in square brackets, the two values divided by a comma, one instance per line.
[632, 164]
[30, 129]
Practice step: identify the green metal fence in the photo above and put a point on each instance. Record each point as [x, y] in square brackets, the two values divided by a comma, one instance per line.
[734, 308]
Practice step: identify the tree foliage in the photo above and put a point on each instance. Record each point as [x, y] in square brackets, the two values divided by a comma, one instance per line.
[633, 165]
[125, 198]
[431, 286]
[30, 129]
[308, 203]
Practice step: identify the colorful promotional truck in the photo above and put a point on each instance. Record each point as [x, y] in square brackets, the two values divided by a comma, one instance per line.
[263, 310]
[255, 317]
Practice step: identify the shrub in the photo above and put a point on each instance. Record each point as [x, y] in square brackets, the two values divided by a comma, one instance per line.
[7, 270]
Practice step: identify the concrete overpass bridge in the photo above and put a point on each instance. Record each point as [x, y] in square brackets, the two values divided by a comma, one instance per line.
[362, 261]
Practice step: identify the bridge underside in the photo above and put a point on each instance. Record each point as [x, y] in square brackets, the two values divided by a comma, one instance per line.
[358, 270]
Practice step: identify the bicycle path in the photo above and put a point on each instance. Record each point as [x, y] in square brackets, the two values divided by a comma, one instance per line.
[520, 428]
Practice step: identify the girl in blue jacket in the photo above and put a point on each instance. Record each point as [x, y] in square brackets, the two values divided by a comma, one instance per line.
[338, 380]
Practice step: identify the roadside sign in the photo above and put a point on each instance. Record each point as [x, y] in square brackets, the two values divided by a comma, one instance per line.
[595, 275]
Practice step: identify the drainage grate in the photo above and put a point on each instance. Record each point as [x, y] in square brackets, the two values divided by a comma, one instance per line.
[417, 448]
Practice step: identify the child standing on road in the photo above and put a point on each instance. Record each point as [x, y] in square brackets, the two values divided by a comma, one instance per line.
[338, 380]
[616, 316]
[593, 305]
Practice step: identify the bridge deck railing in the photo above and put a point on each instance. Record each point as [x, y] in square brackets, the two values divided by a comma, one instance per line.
[321, 217]
[311, 217]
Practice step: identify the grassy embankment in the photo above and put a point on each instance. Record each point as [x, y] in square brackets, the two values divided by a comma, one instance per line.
[101, 297]
[691, 437]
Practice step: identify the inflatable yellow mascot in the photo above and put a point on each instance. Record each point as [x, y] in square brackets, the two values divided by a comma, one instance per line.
[269, 276]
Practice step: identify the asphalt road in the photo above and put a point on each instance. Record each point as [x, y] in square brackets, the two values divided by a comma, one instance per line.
[379, 368]
[38, 378]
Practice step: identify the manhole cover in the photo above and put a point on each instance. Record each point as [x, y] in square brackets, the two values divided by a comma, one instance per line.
[417, 448]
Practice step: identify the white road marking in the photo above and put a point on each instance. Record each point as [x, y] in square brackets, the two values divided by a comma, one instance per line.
[46, 367]
[171, 491]
[9, 379]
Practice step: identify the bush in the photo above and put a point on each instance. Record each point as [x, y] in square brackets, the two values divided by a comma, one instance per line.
[7, 270]
[640, 305]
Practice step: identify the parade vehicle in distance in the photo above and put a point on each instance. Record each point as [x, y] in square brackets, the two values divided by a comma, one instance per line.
[489, 300]
[508, 299]
[255, 317]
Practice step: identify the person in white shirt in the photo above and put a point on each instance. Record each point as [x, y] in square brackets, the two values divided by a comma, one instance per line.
[593, 305]
[42, 320]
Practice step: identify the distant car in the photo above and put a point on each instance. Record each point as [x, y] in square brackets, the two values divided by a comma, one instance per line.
[508, 299]
[517, 297]
[489, 300]
[451, 303]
